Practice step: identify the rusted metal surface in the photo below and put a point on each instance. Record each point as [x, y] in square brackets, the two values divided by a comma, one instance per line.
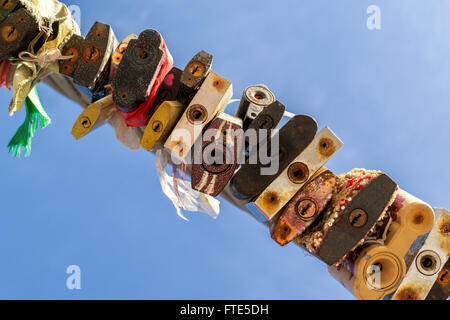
[71, 49]
[343, 236]
[210, 100]
[16, 32]
[6, 7]
[212, 177]
[300, 171]
[427, 277]
[94, 60]
[138, 70]
[253, 101]
[293, 138]
[194, 74]
[304, 208]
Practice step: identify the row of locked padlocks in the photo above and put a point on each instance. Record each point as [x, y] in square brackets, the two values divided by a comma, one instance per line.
[378, 240]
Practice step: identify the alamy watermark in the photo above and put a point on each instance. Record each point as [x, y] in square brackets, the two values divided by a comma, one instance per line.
[73, 281]
[374, 19]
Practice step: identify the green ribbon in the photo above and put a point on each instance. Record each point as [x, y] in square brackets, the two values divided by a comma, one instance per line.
[35, 116]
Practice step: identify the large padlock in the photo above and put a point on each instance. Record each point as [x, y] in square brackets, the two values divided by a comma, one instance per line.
[210, 100]
[375, 268]
[221, 145]
[296, 175]
[362, 198]
[253, 101]
[194, 74]
[427, 269]
[254, 177]
[16, 32]
[161, 124]
[6, 7]
[306, 206]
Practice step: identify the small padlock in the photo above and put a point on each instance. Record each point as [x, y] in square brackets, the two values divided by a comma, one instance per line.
[253, 101]
[71, 49]
[94, 62]
[253, 178]
[16, 32]
[93, 117]
[211, 99]
[304, 208]
[161, 124]
[194, 74]
[221, 145]
[296, 175]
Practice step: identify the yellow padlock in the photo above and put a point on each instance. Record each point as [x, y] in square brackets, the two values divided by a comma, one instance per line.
[94, 116]
[161, 124]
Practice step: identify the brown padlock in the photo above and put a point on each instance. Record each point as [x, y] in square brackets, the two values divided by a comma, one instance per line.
[16, 32]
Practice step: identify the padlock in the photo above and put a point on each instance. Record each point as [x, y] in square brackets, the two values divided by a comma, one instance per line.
[211, 99]
[94, 62]
[169, 88]
[138, 70]
[441, 287]
[119, 52]
[375, 269]
[16, 32]
[304, 208]
[428, 266]
[252, 179]
[296, 175]
[268, 119]
[221, 145]
[71, 49]
[361, 199]
[194, 74]
[6, 7]
[254, 100]
[161, 124]
[93, 117]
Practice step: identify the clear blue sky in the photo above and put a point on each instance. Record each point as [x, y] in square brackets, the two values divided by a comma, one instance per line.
[95, 204]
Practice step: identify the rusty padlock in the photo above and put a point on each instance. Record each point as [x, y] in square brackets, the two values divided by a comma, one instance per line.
[194, 74]
[296, 175]
[94, 62]
[221, 145]
[210, 100]
[354, 215]
[304, 208]
[138, 70]
[253, 101]
[16, 32]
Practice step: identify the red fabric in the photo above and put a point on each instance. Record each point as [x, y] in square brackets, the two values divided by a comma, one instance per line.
[4, 68]
[140, 116]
